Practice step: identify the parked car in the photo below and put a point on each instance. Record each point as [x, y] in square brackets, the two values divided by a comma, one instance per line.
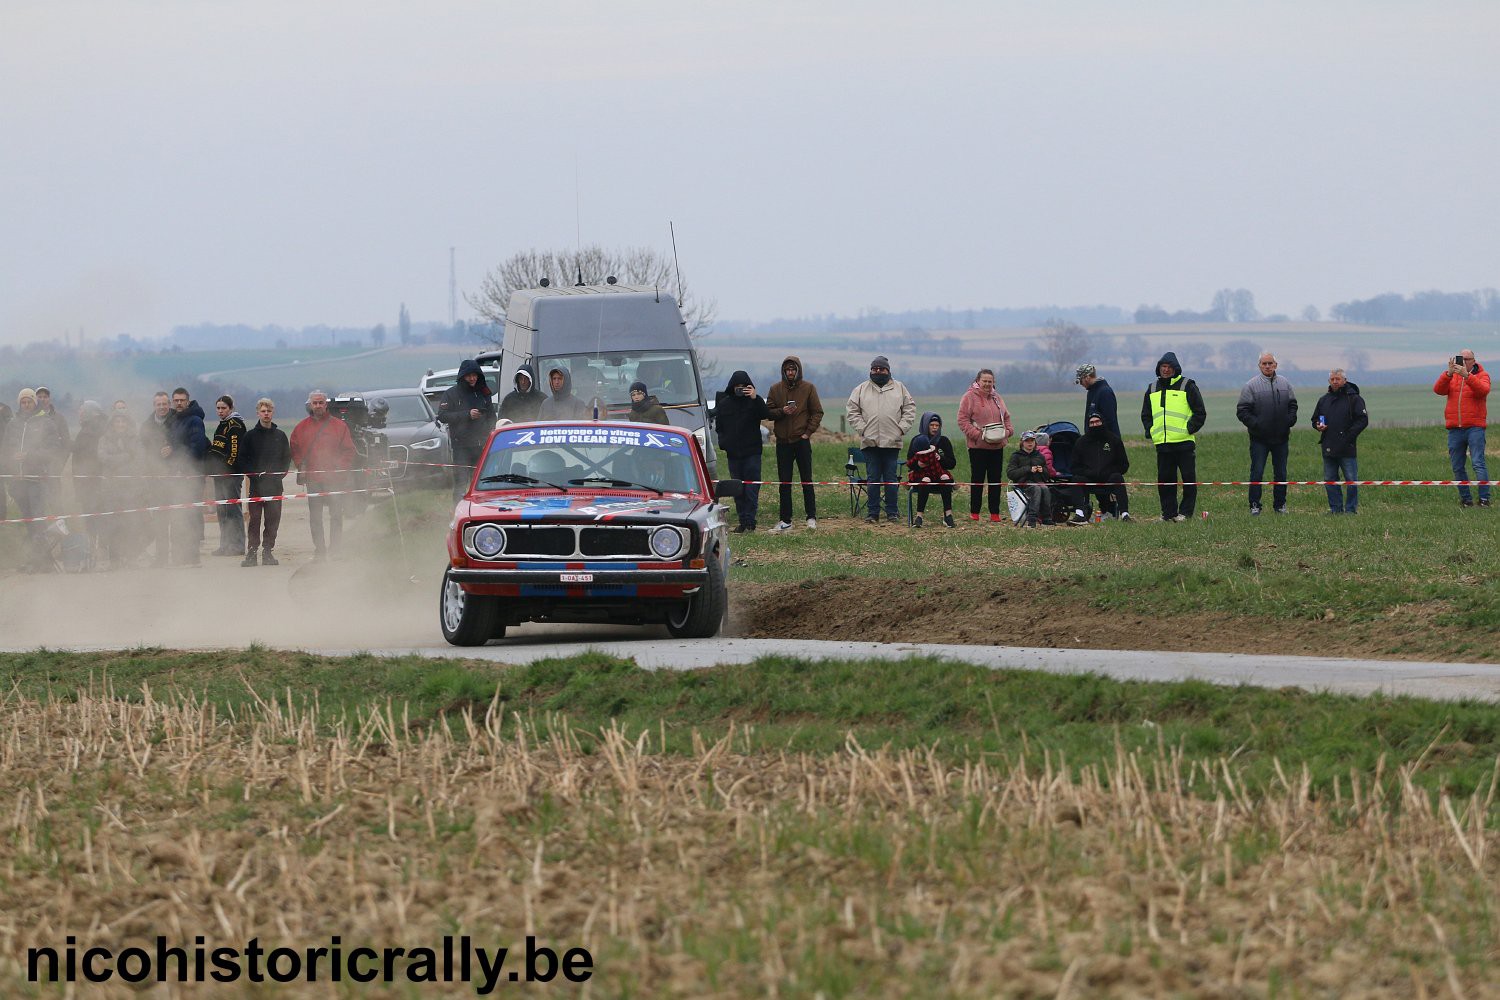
[418, 445]
[435, 383]
[588, 521]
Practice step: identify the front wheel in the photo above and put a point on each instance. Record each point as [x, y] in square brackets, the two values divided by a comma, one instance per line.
[467, 619]
[703, 613]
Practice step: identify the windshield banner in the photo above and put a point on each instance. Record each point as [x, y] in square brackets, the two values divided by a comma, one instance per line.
[646, 436]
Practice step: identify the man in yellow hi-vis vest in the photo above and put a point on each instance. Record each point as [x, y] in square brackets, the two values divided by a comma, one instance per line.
[1172, 413]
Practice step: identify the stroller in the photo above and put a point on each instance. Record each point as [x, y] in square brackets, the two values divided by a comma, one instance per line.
[1062, 434]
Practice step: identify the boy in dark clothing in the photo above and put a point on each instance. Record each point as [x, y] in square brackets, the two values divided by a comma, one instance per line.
[1172, 413]
[468, 410]
[931, 458]
[797, 413]
[523, 402]
[738, 411]
[1340, 416]
[265, 457]
[1099, 457]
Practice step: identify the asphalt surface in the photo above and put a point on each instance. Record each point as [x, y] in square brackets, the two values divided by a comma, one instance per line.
[1439, 681]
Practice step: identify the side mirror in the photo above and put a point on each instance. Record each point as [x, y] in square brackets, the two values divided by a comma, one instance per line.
[729, 488]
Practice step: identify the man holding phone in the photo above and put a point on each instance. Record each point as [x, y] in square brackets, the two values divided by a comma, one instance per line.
[738, 411]
[1467, 387]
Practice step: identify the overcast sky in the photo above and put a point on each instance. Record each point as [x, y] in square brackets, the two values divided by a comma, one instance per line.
[312, 162]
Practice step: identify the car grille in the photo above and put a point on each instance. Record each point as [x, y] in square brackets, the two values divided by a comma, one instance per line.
[539, 541]
[607, 542]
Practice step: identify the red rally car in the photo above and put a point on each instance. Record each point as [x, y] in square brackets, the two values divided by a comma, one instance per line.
[588, 521]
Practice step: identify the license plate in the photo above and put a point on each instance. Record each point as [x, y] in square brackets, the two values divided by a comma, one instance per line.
[577, 578]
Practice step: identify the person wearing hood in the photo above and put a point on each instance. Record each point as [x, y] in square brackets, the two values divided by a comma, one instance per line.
[86, 482]
[796, 414]
[1467, 386]
[467, 409]
[644, 407]
[120, 463]
[931, 460]
[986, 427]
[1172, 412]
[1339, 418]
[1099, 458]
[881, 411]
[562, 404]
[187, 444]
[224, 453]
[1268, 408]
[523, 402]
[738, 412]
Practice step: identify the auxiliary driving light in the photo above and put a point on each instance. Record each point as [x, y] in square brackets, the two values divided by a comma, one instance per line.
[489, 541]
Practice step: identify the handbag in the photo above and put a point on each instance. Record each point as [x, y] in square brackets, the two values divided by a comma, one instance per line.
[993, 433]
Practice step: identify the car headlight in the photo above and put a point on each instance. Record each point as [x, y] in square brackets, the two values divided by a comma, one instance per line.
[488, 541]
[428, 445]
[666, 542]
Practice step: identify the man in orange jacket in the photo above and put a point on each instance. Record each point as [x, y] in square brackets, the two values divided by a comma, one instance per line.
[1467, 387]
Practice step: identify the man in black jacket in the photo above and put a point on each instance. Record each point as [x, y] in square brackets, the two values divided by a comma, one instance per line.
[524, 401]
[1268, 408]
[1099, 457]
[1340, 416]
[738, 411]
[265, 457]
[468, 410]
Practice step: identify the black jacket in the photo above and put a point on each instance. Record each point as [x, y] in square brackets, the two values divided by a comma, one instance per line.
[265, 456]
[1194, 397]
[1098, 455]
[737, 418]
[1018, 469]
[1100, 398]
[228, 442]
[1345, 414]
[518, 407]
[456, 404]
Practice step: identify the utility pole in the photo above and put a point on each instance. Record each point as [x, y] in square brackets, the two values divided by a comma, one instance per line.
[452, 291]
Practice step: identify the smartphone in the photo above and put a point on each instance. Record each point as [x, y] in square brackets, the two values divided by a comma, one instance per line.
[1458, 359]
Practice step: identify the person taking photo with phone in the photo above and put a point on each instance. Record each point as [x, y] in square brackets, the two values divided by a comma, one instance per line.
[1467, 387]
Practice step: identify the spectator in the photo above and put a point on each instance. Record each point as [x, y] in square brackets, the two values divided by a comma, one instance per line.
[1172, 412]
[266, 456]
[1099, 457]
[931, 460]
[34, 451]
[468, 409]
[121, 488]
[224, 453]
[563, 405]
[523, 402]
[85, 451]
[1339, 417]
[1268, 408]
[5, 419]
[1467, 386]
[796, 414]
[324, 454]
[156, 449]
[1028, 473]
[1099, 397]
[52, 485]
[1044, 445]
[738, 411]
[881, 411]
[187, 444]
[986, 426]
[644, 407]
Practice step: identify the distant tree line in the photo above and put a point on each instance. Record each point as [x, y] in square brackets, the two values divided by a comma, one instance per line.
[1482, 306]
[1230, 305]
[878, 320]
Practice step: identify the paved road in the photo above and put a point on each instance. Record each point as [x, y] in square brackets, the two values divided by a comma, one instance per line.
[1442, 681]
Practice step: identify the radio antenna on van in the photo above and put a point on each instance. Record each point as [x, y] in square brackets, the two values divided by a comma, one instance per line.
[673, 230]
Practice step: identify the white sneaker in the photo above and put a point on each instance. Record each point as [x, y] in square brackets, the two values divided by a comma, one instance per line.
[812, 524]
[1125, 516]
[782, 526]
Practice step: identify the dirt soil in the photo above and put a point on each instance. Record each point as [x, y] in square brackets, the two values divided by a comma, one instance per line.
[945, 610]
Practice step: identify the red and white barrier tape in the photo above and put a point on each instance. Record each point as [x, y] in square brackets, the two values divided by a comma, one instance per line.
[182, 506]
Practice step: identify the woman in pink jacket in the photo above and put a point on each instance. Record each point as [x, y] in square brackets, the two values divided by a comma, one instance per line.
[981, 407]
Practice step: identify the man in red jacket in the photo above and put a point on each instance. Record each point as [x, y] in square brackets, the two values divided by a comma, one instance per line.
[324, 454]
[1467, 387]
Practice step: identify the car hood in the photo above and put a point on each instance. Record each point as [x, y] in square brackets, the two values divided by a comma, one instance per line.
[534, 507]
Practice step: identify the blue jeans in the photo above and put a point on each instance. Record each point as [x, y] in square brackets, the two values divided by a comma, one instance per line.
[1472, 440]
[880, 466]
[746, 467]
[1278, 452]
[1347, 501]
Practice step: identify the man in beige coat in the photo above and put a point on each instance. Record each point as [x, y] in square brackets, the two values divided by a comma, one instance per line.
[881, 411]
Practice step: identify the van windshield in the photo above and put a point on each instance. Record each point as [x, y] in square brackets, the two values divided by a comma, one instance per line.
[668, 375]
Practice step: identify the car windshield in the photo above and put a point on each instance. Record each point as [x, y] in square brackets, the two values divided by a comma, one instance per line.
[668, 375]
[406, 410]
[650, 457]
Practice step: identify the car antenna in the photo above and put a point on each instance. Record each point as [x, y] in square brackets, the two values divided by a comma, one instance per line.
[673, 230]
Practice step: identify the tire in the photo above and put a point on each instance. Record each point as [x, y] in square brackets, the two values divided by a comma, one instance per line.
[704, 612]
[467, 619]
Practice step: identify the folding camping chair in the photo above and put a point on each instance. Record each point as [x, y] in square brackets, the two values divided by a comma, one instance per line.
[857, 472]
